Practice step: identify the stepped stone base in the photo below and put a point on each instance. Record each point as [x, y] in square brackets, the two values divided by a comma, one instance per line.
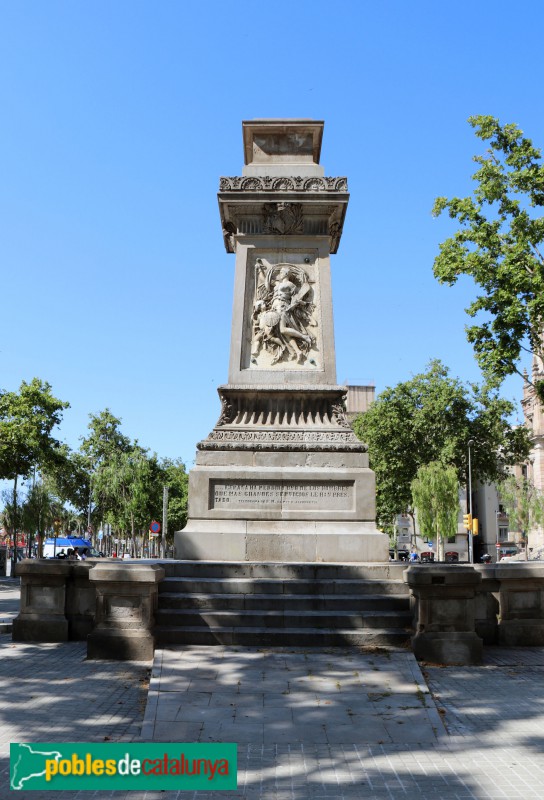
[283, 541]
[281, 604]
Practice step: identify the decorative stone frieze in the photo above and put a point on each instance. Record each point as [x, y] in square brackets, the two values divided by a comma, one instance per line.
[291, 184]
[303, 417]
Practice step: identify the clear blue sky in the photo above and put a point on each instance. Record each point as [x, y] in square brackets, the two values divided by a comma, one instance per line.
[118, 118]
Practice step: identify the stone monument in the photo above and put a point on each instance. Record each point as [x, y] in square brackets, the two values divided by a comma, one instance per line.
[282, 477]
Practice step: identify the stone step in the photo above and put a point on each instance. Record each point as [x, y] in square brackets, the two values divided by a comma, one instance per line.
[277, 602]
[312, 570]
[348, 620]
[280, 586]
[282, 637]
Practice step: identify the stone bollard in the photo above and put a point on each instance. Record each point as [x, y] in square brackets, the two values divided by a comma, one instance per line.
[126, 600]
[43, 600]
[444, 610]
[521, 612]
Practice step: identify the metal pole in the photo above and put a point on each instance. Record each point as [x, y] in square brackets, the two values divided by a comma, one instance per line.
[89, 508]
[497, 542]
[470, 553]
[164, 520]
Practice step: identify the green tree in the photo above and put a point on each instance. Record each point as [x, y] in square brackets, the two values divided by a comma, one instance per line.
[103, 444]
[177, 480]
[38, 511]
[27, 419]
[104, 438]
[69, 477]
[524, 505]
[129, 485]
[435, 494]
[499, 244]
[431, 418]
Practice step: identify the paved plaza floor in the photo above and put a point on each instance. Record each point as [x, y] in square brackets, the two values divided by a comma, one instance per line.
[321, 724]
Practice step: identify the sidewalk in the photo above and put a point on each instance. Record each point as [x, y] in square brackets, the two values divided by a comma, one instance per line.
[325, 725]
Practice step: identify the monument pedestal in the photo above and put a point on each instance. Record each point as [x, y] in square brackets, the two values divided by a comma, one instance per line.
[288, 506]
[256, 495]
[282, 476]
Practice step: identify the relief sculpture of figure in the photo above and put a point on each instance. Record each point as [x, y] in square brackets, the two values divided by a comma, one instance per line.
[282, 312]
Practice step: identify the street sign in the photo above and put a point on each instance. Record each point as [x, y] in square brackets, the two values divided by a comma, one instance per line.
[155, 527]
[100, 536]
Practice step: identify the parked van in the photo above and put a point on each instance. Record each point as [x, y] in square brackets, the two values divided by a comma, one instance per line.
[58, 548]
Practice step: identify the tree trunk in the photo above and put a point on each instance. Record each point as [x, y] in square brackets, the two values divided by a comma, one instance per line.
[14, 525]
[414, 536]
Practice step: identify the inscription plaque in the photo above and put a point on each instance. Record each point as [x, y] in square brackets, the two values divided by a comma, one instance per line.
[282, 495]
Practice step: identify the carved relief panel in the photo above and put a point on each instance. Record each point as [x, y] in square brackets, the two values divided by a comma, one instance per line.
[283, 313]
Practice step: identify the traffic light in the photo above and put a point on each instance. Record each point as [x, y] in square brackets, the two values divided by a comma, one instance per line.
[475, 527]
[467, 521]
[57, 525]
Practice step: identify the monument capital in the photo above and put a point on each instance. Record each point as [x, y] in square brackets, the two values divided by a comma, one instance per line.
[283, 188]
[277, 142]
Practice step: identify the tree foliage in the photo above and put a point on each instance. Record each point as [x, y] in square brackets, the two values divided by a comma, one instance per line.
[523, 502]
[110, 479]
[114, 480]
[499, 244]
[435, 494]
[177, 481]
[70, 479]
[27, 420]
[431, 418]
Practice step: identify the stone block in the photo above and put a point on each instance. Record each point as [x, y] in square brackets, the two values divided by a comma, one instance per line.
[206, 545]
[281, 493]
[450, 648]
[362, 546]
[521, 604]
[42, 615]
[445, 613]
[282, 547]
[281, 541]
[126, 600]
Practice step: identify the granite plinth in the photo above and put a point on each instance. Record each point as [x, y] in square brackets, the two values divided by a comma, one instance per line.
[282, 506]
[286, 542]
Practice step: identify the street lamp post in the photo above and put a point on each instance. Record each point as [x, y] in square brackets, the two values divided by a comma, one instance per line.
[470, 553]
[164, 520]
